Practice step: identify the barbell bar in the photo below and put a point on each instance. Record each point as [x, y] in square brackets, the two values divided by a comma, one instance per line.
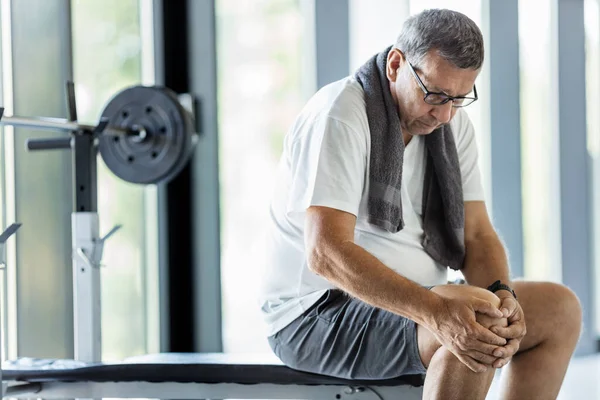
[145, 135]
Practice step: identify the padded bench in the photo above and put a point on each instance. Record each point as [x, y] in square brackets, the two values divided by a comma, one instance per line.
[192, 375]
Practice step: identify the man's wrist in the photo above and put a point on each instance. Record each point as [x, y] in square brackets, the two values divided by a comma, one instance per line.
[433, 304]
[500, 286]
[502, 293]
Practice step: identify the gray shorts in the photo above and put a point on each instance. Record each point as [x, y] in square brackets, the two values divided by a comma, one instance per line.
[344, 337]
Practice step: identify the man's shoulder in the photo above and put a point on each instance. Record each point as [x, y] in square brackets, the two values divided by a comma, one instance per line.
[342, 101]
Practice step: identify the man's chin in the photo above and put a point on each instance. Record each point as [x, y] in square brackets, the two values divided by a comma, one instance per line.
[422, 131]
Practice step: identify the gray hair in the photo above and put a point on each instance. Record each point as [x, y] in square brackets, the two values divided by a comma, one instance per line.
[455, 36]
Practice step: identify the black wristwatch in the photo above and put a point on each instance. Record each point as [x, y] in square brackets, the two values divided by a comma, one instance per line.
[494, 287]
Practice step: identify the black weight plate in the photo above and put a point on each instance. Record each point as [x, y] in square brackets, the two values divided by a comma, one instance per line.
[167, 146]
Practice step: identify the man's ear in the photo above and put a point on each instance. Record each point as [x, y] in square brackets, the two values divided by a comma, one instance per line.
[395, 60]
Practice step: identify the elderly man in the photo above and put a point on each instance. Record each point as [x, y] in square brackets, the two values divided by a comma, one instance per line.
[378, 193]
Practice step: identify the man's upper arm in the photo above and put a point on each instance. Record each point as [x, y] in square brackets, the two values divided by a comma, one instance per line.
[325, 228]
[328, 224]
[477, 221]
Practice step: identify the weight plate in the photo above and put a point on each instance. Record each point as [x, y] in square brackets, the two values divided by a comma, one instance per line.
[160, 154]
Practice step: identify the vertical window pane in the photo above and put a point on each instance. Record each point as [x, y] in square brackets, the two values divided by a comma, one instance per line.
[260, 91]
[39, 192]
[592, 50]
[372, 30]
[107, 54]
[4, 60]
[539, 143]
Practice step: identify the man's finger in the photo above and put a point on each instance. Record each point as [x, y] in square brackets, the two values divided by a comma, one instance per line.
[472, 364]
[511, 348]
[481, 357]
[487, 336]
[487, 308]
[508, 307]
[485, 348]
[513, 331]
[501, 362]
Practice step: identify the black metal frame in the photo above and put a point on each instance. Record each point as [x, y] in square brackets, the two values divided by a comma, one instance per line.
[178, 192]
[85, 184]
[85, 167]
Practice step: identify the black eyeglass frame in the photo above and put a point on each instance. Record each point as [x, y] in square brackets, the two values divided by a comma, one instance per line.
[446, 97]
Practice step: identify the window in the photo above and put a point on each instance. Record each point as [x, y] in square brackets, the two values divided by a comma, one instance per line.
[372, 30]
[38, 185]
[592, 36]
[108, 49]
[539, 142]
[261, 88]
[5, 70]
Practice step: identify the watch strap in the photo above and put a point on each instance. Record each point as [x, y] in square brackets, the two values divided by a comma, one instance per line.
[498, 285]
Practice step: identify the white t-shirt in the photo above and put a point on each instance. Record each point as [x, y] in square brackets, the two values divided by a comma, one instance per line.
[325, 162]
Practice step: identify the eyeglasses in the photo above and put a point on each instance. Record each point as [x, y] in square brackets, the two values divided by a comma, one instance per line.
[437, 98]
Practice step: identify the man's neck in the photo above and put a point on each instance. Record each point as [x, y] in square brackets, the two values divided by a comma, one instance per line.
[406, 137]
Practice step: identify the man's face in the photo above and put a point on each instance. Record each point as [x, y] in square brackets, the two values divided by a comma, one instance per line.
[438, 75]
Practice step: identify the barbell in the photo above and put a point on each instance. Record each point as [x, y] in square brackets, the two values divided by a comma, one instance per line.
[145, 135]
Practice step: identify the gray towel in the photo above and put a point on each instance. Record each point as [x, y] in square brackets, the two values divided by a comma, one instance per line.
[443, 206]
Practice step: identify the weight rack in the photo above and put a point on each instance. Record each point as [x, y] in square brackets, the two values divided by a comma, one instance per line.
[174, 139]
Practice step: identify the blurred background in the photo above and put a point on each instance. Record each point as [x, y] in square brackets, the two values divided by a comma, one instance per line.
[182, 273]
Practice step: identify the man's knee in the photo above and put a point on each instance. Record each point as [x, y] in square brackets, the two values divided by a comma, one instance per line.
[561, 305]
[552, 312]
[428, 344]
[569, 304]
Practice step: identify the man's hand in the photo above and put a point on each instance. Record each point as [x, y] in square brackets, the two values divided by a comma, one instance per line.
[514, 332]
[458, 331]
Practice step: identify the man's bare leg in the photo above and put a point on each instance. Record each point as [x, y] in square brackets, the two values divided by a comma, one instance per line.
[553, 320]
[447, 377]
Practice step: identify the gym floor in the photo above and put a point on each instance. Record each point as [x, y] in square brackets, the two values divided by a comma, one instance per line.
[582, 380]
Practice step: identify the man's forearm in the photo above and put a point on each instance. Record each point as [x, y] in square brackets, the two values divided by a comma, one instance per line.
[362, 275]
[486, 261]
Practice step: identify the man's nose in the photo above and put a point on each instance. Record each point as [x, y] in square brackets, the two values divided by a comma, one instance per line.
[443, 112]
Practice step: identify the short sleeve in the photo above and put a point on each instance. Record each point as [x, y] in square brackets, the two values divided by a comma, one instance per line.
[328, 167]
[468, 157]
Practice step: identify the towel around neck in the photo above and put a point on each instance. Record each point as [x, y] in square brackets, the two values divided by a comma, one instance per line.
[443, 205]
